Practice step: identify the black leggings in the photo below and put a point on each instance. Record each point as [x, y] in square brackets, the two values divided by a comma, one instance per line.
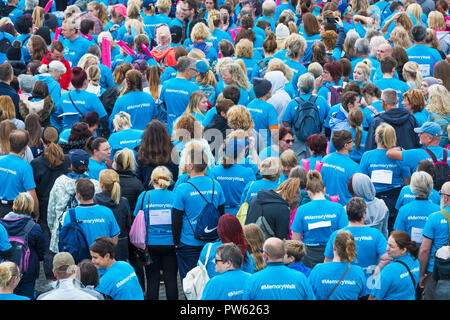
[165, 259]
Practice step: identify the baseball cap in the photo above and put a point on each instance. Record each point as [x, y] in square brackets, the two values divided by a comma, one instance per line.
[62, 261]
[429, 127]
[79, 158]
[121, 9]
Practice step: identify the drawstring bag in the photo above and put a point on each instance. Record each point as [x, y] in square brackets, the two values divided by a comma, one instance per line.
[138, 229]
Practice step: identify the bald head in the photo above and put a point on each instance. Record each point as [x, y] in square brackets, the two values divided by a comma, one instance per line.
[383, 51]
[274, 250]
[445, 190]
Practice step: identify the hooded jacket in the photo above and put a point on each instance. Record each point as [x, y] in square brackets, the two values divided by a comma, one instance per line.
[43, 107]
[14, 223]
[274, 208]
[123, 217]
[444, 41]
[280, 98]
[377, 213]
[402, 121]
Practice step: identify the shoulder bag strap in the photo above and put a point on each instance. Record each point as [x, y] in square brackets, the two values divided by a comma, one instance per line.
[447, 216]
[337, 284]
[75, 104]
[199, 191]
[248, 191]
[147, 225]
[207, 253]
[409, 271]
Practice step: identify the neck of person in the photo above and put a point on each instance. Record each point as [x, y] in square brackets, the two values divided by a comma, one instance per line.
[110, 263]
[73, 37]
[356, 223]
[8, 289]
[183, 75]
[336, 258]
[343, 151]
[317, 196]
[388, 75]
[82, 201]
[94, 157]
[194, 174]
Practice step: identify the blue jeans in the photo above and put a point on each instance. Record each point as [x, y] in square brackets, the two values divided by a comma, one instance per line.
[187, 258]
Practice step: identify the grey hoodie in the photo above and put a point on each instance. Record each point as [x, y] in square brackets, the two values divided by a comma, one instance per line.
[444, 41]
[377, 213]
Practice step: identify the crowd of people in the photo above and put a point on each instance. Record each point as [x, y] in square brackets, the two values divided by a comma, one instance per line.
[315, 133]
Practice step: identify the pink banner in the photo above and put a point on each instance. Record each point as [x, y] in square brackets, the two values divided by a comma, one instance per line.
[57, 33]
[127, 49]
[106, 52]
[48, 6]
[145, 50]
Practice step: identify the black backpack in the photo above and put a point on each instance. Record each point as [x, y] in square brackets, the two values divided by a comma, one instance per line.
[264, 65]
[108, 99]
[441, 169]
[306, 119]
[5, 44]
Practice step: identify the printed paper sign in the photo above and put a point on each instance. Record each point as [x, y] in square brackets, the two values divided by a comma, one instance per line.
[416, 235]
[160, 217]
[320, 224]
[381, 176]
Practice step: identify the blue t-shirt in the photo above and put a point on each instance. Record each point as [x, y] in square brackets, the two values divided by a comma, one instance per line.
[425, 56]
[391, 83]
[74, 50]
[139, 105]
[252, 188]
[325, 276]
[412, 157]
[176, 93]
[297, 69]
[412, 217]
[370, 246]
[406, 196]
[421, 117]
[4, 241]
[436, 229]
[394, 281]
[120, 282]
[85, 102]
[369, 114]
[233, 182]
[157, 205]
[128, 138]
[264, 117]
[16, 176]
[291, 109]
[374, 163]
[187, 199]
[336, 172]
[97, 221]
[317, 220]
[226, 286]
[94, 168]
[278, 282]
[356, 153]
[12, 296]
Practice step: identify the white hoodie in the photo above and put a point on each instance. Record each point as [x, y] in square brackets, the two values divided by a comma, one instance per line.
[280, 98]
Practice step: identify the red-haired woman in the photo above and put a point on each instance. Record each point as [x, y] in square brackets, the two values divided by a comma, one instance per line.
[229, 230]
[330, 83]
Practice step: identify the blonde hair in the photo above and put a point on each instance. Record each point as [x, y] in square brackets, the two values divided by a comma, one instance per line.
[365, 66]
[85, 60]
[163, 6]
[194, 101]
[38, 16]
[200, 32]
[345, 246]
[436, 20]
[386, 135]
[400, 37]
[240, 118]
[439, 100]
[8, 270]
[162, 177]
[416, 99]
[416, 10]
[110, 180]
[276, 64]
[7, 107]
[314, 182]
[255, 241]
[122, 120]
[124, 160]
[93, 75]
[238, 75]
[289, 158]
[295, 248]
[411, 70]
[289, 190]
[196, 54]
[271, 168]
[138, 26]
[23, 204]
[244, 49]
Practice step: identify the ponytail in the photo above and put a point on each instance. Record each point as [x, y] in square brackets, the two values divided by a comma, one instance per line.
[52, 152]
[355, 119]
[345, 246]
[110, 180]
[404, 241]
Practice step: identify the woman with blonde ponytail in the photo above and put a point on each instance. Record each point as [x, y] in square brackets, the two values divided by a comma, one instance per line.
[157, 206]
[111, 197]
[339, 279]
[317, 220]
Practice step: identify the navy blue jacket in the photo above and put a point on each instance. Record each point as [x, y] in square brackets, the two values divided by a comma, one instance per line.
[7, 90]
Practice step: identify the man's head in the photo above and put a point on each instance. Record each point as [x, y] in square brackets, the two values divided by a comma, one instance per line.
[6, 72]
[384, 50]
[186, 67]
[69, 29]
[388, 65]
[64, 266]
[429, 134]
[356, 209]
[350, 100]
[85, 189]
[419, 32]
[445, 195]
[196, 158]
[362, 47]
[102, 252]
[189, 8]
[232, 92]
[389, 99]
[228, 257]
[18, 141]
[306, 83]
[421, 184]
[273, 250]
[342, 140]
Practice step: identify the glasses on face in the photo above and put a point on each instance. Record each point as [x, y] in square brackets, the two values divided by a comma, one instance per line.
[219, 260]
[444, 194]
[288, 140]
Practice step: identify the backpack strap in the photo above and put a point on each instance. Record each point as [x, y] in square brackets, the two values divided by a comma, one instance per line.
[373, 109]
[207, 253]
[200, 192]
[248, 191]
[318, 166]
[447, 216]
[73, 219]
[409, 271]
[433, 157]
[28, 227]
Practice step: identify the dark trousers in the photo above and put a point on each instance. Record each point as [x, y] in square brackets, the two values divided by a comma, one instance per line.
[390, 198]
[164, 258]
[187, 257]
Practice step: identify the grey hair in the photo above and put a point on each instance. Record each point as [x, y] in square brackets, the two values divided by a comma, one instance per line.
[375, 42]
[421, 184]
[57, 65]
[31, 4]
[306, 83]
[389, 96]
[362, 46]
[185, 63]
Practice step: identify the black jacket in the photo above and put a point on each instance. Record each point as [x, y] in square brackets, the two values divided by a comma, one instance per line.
[7, 90]
[402, 121]
[123, 217]
[274, 208]
[131, 187]
[218, 123]
[144, 173]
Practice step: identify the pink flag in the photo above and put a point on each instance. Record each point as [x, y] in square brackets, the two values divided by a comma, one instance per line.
[57, 33]
[127, 49]
[146, 51]
[106, 52]
[48, 6]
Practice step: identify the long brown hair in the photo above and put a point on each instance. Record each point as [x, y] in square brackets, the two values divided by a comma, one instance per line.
[156, 146]
[255, 241]
[6, 126]
[33, 126]
[52, 152]
[153, 80]
[355, 119]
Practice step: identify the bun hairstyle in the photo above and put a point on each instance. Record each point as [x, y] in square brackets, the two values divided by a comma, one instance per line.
[93, 143]
[110, 180]
[270, 44]
[345, 246]
[314, 182]
[404, 241]
[162, 177]
[79, 76]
